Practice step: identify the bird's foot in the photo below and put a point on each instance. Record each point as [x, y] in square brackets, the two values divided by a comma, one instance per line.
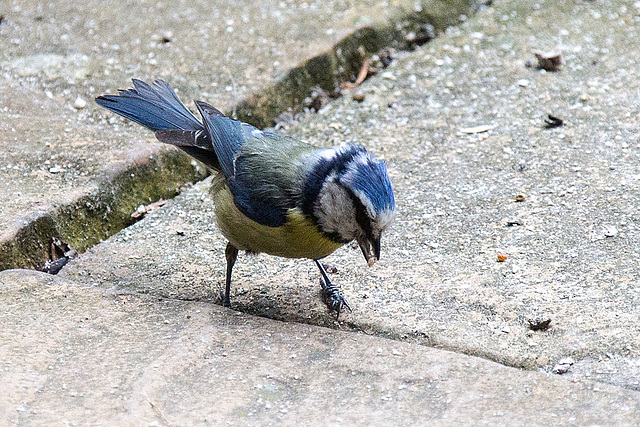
[332, 298]
[226, 301]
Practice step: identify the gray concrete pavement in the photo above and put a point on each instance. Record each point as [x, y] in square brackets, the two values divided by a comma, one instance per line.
[79, 355]
[571, 242]
[128, 331]
[68, 164]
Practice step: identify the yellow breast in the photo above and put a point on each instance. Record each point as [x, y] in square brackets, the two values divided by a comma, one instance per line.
[298, 238]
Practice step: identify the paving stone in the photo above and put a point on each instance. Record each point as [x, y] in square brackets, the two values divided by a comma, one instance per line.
[461, 124]
[79, 355]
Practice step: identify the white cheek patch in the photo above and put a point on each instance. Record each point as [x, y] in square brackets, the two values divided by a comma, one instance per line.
[335, 211]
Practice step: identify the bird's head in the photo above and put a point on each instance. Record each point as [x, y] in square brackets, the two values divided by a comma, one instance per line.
[354, 200]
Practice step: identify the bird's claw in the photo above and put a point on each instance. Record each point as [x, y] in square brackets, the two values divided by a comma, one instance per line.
[333, 299]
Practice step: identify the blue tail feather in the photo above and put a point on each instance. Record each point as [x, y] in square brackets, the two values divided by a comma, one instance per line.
[155, 107]
[158, 108]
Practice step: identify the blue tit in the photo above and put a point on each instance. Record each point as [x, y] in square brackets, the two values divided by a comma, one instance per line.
[272, 193]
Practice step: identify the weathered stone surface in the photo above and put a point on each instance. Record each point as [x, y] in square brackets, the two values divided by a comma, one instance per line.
[59, 154]
[222, 51]
[79, 355]
[561, 203]
[461, 124]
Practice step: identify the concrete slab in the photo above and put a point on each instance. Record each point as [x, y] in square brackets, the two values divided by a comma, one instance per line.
[223, 51]
[561, 203]
[67, 163]
[78, 355]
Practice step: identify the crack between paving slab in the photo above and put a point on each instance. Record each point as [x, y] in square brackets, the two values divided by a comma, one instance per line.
[104, 212]
[333, 70]
[99, 214]
[303, 89]
[394, 334]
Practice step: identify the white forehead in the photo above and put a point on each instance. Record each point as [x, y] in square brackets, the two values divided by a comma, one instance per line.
[382, 221]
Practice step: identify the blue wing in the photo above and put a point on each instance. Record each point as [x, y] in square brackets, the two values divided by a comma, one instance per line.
[248, 158]
[226, 135]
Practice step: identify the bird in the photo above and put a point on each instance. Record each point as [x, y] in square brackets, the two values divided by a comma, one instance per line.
[272, 193]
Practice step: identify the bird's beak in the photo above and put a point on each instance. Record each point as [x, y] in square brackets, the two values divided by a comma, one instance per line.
[370, 249]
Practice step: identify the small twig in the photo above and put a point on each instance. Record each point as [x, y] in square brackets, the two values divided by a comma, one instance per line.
[159, 411]
[362, 76]
[364, 72]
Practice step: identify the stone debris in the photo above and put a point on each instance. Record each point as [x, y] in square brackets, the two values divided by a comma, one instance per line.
[79, 103]
[563, 366]
[477, 129]
[548, 61]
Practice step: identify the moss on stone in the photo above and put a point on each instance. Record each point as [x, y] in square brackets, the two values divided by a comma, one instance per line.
[101, 213]
[343, 62]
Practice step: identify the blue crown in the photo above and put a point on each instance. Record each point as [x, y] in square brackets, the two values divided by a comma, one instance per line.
[372, 180]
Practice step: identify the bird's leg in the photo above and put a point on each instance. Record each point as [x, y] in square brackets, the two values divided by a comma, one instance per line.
[331, 293]
[231, 253]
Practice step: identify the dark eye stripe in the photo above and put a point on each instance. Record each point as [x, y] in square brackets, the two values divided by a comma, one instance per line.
[362, 218]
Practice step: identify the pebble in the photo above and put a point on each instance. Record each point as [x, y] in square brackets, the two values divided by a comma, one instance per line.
[542, 360]
[358, 96]
[563, 366]
[56, 169]
[610, 231]
[523, 82]
[79, 104]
